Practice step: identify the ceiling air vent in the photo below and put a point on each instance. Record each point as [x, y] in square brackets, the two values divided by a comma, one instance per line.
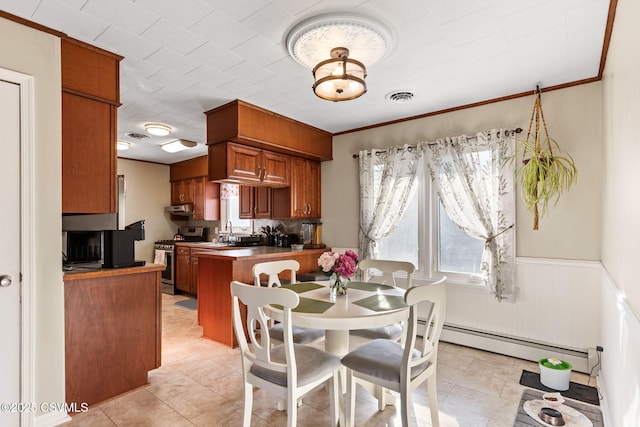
[400, 96]
[136, 135]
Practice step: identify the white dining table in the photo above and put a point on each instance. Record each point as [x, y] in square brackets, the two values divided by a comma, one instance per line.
[366, 305]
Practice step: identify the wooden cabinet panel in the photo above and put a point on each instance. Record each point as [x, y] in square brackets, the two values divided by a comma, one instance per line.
[183, 269]
[243, 164]
[255, 202]
[88, 155]
[90, 71]
[248, 124]
[204, 195]
[302, 198]
[193, 283]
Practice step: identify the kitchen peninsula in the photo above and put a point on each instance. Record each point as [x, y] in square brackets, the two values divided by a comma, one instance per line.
[216, 270]
[113, 330]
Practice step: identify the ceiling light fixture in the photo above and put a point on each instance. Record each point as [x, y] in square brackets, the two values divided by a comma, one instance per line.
[178, 145]
[339, 78]
[123, 145]
[158, 129]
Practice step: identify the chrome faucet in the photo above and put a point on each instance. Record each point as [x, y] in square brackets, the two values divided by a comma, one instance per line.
[229, 227]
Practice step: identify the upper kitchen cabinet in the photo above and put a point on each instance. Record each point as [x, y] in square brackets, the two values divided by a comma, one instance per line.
[255, 202]
[189, 184]
[238, 121]
[302, 198]
[90, 98]
[249, 165]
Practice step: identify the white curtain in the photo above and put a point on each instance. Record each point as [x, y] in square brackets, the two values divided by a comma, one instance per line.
[386, 179]
[474, 177]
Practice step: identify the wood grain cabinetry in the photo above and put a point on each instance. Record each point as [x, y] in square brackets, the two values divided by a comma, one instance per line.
[184, 277]
[113, 331]
[238, 121]
[90, 97]
[302, 198]
[255, 202]
[243, 164]
[189, 184]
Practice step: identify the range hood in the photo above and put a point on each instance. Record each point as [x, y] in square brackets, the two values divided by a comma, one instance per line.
[184, 210]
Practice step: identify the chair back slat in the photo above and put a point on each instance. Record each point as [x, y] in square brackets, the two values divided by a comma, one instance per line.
[256, 298]
[388, 268]
[272, 269]
[435, 297]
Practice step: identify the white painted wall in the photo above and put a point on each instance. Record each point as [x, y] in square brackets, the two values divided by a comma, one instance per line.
[35, 53]
[148, 193]
[571, 230]
[621, 219]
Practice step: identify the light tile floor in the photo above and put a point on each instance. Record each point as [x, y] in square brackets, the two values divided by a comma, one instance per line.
[200, 383]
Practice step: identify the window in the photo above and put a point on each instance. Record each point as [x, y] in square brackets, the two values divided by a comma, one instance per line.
[230, 211]
[442, 249]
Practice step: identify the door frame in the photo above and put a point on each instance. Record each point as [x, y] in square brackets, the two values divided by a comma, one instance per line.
[27, 237]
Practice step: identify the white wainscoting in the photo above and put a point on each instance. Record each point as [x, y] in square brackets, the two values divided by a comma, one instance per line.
[619, 379]
[557, 308]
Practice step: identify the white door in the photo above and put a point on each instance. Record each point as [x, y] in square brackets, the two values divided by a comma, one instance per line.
[10, 253]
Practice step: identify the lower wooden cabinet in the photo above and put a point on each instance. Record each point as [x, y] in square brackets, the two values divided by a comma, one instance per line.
[184, 276]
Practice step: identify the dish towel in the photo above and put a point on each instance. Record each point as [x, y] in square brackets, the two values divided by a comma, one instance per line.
[160, 257]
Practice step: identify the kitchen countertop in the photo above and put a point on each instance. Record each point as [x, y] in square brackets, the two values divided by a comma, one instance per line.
[93, 273]
[255, 252]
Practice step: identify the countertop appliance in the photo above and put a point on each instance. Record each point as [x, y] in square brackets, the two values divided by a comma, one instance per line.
[165, 250]
[118, 246]
[244, 240]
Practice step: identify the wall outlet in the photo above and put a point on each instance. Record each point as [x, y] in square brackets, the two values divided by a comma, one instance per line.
[593, 360]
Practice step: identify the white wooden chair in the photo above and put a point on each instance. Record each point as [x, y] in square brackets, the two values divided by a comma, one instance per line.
[389, 269]
[399, 367]
[272, 269]
[289, 370]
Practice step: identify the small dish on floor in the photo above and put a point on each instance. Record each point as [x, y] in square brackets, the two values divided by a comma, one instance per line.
[551, 416]
[553, 400]
[572, 417]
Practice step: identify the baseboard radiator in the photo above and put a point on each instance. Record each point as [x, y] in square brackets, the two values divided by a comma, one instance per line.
[511, 346]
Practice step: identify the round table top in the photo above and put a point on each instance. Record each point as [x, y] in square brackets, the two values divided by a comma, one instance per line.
[366, 305]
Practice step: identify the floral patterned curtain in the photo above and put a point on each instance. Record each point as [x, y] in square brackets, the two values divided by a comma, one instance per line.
[475, 180]
[386, 179]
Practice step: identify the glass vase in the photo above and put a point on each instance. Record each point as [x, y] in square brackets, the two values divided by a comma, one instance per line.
[338, 285]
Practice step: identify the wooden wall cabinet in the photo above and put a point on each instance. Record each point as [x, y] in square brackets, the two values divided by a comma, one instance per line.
[189, 184]
[236, 163]
[255, 202]
[90, 98]
[302, 198]
[238, 121]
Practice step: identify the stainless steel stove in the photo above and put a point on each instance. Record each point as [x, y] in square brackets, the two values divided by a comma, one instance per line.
[166, 250]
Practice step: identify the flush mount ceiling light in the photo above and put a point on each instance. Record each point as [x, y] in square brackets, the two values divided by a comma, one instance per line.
[158, 129]
[344, 36]
[178, 145]
[339, 78]
[123, 145]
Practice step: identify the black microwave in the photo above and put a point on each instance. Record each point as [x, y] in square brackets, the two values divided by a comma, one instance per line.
[111, 248]
[85, 247]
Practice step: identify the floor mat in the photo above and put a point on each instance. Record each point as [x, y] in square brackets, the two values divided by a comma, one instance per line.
[189, 304]
[581, 392]
[524, 420]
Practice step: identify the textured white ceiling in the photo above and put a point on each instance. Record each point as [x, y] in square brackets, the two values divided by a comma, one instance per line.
[182, 58]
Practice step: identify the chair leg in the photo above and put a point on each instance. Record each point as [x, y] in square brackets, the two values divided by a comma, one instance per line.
[248, 405]
[350, 400]
[433, 400]
[380, 393]
[292, 412]
[405, 403]
[334, 393]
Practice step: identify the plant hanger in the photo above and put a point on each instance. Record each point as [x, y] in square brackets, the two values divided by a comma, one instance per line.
[544, 175]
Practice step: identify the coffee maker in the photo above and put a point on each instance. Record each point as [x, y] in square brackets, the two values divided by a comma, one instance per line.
[311, 234]
[119, 246]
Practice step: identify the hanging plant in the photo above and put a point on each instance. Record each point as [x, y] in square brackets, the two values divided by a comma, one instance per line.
[546, 169]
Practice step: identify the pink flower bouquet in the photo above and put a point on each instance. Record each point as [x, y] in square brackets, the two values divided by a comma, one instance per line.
[340, 268]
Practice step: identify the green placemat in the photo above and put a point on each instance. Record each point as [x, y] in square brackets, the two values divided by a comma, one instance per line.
[369, 286]
[302, 287]
[382, 302]
[308, 305]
